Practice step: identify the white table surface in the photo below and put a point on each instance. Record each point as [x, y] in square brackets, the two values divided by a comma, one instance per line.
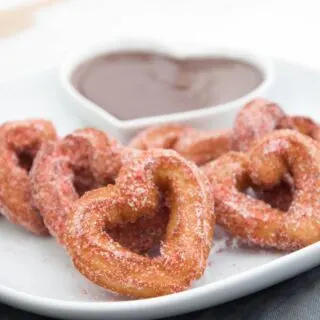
[281, 28]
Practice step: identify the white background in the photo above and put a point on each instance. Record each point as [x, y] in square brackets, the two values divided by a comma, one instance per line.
[282, 28]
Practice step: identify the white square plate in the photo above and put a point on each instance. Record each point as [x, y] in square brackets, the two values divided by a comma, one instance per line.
[37, 275]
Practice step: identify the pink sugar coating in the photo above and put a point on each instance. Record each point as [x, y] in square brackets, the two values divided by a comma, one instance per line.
[195, 145]
[53, 173]
[266, 164]
[16, 138]
[260, 117]
[184, 251]
[256, 119]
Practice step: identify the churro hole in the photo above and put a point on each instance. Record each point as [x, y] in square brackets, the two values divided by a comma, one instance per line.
[278, 197]
[25, 160]
[150, 231]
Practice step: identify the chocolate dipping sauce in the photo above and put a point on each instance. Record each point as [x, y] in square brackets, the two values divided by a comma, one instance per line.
[133, 85]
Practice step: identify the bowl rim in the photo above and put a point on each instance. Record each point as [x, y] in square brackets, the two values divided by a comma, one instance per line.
[74, 60]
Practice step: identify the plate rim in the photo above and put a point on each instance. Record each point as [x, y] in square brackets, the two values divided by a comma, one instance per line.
[260, 274]
[194, 299]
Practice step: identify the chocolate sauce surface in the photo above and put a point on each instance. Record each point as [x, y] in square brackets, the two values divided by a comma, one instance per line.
[132, 85]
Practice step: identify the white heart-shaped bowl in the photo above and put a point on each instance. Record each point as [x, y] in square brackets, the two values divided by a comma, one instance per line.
[209, 117]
